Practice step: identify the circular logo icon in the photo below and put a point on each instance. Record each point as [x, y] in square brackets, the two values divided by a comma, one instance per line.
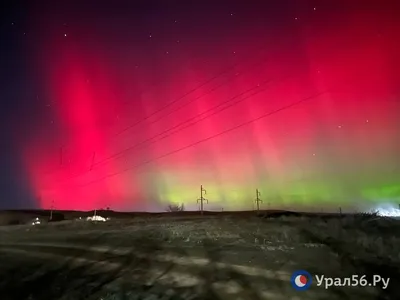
[301, 280]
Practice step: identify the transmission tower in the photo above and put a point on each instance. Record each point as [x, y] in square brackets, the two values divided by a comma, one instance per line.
[258, 200]
[202, 199]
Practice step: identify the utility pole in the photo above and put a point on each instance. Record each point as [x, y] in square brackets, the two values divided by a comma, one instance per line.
[51, 209]
[202, 199]
[258, 200]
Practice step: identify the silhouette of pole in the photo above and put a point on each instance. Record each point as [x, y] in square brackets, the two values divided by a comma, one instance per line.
[51, 210]
[202, 199]
[258, 200]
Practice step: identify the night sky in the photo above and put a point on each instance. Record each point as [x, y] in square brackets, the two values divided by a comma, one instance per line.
[134, 104]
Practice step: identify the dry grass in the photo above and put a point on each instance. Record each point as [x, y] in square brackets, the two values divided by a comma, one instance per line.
[187, 257]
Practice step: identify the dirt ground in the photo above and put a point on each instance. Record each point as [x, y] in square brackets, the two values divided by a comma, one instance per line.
[207, 257]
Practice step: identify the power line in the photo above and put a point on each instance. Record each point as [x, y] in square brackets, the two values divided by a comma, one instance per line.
[121, 153]
[232, 67]
[188, 125]
[224, 71]
[179, 126]
[206, 139]
[150, 140]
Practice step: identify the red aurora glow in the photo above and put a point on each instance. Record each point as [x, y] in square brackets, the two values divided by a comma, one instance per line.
[336, 147]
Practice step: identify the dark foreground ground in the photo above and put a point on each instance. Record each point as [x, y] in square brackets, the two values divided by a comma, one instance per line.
[190, 257]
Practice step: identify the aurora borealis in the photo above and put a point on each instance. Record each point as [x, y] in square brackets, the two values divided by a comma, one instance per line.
[121, 92]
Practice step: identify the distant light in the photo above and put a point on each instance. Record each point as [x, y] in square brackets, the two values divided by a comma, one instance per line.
[36, 221]
[65, 34]
[96, 218]
[296, 18]
[339, 126]
[367, 121]
[315, 8]
[387, 210]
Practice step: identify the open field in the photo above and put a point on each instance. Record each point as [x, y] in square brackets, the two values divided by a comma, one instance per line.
[187, 256]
